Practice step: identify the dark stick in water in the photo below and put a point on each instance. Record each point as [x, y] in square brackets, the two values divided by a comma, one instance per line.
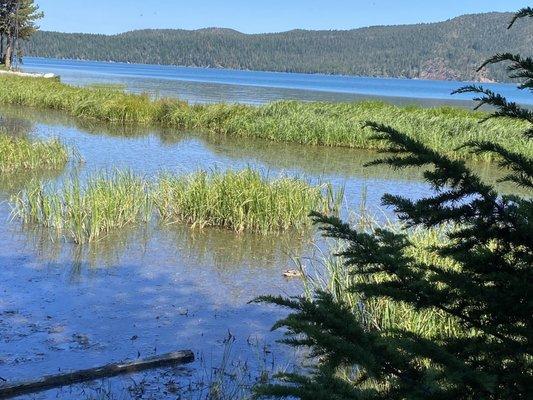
[106, 371]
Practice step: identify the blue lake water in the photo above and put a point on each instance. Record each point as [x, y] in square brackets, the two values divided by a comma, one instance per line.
[171, 287]
[69, 306]
[224, 85]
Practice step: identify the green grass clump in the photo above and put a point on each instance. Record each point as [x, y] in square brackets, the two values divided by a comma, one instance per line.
[320, 123]
[19, 154]
[85, 214]
[239, 201]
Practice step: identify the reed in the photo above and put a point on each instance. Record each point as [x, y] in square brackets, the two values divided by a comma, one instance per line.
[325, 124]
[239, 201]
[19, 154]
[86, 213]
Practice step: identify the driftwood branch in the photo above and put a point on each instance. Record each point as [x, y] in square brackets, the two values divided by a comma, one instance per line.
[69, 378]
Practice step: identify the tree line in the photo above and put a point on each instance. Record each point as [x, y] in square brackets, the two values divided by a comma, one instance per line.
[446, 50]
[17, 23]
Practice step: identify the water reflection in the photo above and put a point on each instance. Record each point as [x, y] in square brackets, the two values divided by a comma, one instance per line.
[226, 251]
[222, 249]
[311, 160]
[13, 182]
[25, 119]
[107, 252]
[15, 126]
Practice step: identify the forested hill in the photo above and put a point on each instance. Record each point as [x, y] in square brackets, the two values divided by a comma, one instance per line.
[444, 50]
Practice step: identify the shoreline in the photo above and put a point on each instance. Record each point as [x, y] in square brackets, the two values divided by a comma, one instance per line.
[29, 74]
[270, 71]
[443, 129]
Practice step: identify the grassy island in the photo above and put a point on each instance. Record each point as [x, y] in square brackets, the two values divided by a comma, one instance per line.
[238, 201]
[319, 123]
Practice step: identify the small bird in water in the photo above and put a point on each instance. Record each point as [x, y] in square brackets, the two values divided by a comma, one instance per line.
[292, 273]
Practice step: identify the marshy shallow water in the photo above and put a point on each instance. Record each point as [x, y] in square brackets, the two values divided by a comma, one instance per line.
[159, 288]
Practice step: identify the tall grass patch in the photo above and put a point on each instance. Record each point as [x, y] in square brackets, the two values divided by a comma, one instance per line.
[20, 154]
[85, 213]
[239, 201]
[331, 275]
[443, 129]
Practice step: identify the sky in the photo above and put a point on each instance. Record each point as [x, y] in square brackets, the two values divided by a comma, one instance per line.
[253, 16]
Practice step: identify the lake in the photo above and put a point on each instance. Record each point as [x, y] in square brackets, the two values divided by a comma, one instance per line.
[169, 287]
[161, 288]
[207, 85]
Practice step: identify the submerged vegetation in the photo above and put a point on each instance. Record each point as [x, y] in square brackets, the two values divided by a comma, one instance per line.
[239, 201]
[19, 154]
[442, 129]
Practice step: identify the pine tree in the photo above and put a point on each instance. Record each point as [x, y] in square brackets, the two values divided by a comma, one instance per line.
[17, 22]
[487, 292]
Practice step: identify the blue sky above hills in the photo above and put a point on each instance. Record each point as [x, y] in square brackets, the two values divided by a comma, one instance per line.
[114, 16]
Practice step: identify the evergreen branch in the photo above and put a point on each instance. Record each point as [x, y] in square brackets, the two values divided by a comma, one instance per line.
[419, 154]
[480, 279]
[371, 251]
[517, 62]
[505, 108]
[446, 173]
[520, 165]
[521, 67]
[336, 334]
[291, 303]
[522, 13]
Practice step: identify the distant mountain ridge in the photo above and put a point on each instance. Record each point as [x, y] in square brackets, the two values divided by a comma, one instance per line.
[451, 49]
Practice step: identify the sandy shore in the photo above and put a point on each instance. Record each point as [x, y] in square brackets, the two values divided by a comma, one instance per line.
[27, 74]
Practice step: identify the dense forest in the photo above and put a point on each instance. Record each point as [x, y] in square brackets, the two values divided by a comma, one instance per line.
[444, 50]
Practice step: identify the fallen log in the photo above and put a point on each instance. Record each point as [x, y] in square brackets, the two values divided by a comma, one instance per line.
[106, 371]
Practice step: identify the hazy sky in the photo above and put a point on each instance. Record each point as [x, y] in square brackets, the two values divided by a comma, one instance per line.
[253, 16]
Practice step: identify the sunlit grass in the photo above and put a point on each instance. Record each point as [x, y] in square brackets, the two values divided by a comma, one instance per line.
[328, 272]
[19, 154]
[238, 201]
[320, 123]
[85, 213]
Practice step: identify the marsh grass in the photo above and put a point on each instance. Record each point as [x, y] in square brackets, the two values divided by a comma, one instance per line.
[19, 154]
[238, 201]
[327, 272]
[86, 213]
[326, 124]
[324, 271]
[118, 87]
